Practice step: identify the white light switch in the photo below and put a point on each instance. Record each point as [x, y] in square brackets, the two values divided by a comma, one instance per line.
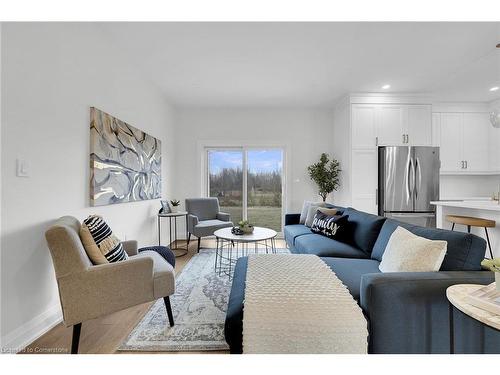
[22, 168]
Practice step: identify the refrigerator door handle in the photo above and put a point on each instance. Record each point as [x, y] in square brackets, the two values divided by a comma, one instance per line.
[411, 179]
[418, 177]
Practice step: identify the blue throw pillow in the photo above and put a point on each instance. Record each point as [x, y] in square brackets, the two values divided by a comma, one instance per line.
[164, 251]
[362, 229]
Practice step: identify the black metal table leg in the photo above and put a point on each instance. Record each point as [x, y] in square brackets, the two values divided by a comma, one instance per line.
[452, 329]
[489, 244]
[159, 231]
[216, 252]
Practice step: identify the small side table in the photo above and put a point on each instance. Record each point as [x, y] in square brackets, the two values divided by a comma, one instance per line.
[456, 295]
[177, 250]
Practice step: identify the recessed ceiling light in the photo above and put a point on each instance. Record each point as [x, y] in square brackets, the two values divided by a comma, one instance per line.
[385, 87]
[494, 88]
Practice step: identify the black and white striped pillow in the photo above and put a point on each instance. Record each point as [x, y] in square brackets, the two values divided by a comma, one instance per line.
[110, 246]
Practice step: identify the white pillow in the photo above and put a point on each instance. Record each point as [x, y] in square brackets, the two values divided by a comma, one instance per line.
[310, 215]
[305, 210]
[407, 252]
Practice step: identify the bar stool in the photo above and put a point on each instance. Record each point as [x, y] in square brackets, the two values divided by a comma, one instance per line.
[473, 222]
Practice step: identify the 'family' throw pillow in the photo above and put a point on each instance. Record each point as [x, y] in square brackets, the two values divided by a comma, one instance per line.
[329, 226]
[99, 242]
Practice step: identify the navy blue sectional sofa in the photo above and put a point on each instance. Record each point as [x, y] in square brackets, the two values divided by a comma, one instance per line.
[407, 312]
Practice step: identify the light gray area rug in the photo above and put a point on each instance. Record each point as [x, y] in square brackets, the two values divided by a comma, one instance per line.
[199, 307]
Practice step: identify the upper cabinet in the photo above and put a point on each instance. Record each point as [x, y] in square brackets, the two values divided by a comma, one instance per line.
[391, 125]
[451, 142]
[363, 126]
[467, 142]
[475, 142]
[419, 125]
[494, 148]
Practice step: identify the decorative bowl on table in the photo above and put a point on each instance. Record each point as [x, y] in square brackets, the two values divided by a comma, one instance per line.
[246, 227]
[494, 266]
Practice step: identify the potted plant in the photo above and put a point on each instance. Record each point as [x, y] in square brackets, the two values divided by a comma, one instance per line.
[494, 266]
[175, 205]
[325, 174]
[246, 227]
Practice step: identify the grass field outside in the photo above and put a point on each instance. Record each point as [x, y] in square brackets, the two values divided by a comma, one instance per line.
[262, 216]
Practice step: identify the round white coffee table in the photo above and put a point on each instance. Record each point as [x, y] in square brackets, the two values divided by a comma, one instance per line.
[232, 246]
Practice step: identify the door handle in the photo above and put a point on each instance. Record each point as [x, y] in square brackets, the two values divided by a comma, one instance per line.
[411, 179]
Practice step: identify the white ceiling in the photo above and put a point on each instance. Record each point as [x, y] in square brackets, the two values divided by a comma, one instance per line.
[311, 64]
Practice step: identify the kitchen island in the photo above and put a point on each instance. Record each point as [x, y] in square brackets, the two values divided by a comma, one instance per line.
[485, 209]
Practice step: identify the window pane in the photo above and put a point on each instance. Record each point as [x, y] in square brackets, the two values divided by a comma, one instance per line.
[264, 188]
[226, 181]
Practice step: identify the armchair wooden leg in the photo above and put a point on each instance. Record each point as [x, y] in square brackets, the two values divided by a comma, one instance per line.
[189, 238]
[199, 240]
[75, 341]
[169, 310]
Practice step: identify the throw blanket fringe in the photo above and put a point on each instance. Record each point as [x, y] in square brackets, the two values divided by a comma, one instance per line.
[296, 304]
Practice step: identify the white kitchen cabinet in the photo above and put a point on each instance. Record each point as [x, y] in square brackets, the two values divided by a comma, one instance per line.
[494, 149]
[364, 180]
[436, 129]
[404, 125]
[390, 125]
[451, 142]
[363, 126]
[419, 125]
[475, 148]
[467, 144]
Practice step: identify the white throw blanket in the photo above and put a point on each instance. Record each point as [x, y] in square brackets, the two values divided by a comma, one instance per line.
[296, 304]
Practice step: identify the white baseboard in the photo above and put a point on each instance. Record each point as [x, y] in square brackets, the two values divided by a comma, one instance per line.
[24, 335]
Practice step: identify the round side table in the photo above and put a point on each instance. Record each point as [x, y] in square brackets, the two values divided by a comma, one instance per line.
[172, 216]
[231, 246]
[456, 295]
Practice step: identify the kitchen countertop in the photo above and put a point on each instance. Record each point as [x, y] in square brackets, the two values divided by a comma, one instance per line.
[489, 205]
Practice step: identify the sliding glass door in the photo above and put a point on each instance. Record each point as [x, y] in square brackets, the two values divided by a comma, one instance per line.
[248, 183]
[225, 171]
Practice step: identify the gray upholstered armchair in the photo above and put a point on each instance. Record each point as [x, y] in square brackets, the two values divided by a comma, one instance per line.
[89, 291]
[204, 217]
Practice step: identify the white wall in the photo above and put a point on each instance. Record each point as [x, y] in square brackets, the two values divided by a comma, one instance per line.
[305, 132]
[51, 75]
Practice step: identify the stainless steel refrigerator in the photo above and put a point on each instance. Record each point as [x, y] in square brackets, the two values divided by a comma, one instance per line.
[408, 180]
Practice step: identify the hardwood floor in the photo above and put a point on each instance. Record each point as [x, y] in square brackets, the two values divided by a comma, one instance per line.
[104, 335]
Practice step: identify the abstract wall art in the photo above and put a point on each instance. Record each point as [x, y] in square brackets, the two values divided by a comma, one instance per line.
[125, 162]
